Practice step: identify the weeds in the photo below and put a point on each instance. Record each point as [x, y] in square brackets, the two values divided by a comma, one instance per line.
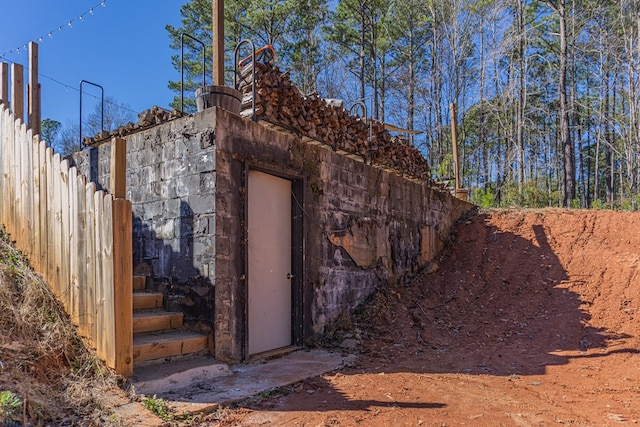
[42, 355]
[9, 405]
[159, 407]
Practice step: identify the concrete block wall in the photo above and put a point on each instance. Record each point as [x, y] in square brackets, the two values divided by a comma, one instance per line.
[171, 183]
[363, 227]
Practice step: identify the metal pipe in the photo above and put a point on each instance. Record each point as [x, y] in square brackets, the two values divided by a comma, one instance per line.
[360, 103]
[182, 36]
[101, 107]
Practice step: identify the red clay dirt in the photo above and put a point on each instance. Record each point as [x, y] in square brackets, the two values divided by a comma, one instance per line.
[529, 318]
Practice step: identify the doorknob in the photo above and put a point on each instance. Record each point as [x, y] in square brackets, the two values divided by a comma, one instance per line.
[289, 276]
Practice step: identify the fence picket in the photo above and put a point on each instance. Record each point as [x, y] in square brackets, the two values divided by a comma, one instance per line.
[35, 200]
[42, 173]
[90, 297]
[65, 252]
[74, 285]
[80, 230]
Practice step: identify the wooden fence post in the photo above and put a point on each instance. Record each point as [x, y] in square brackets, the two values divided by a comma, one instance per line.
[123, 285]
[118, 175]
[33, 102]
[17, 90]
[4, 84]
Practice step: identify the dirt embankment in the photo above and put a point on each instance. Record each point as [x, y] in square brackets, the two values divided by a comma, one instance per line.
[530, 318]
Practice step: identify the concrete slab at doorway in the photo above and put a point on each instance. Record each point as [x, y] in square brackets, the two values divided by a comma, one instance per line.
[215, 386]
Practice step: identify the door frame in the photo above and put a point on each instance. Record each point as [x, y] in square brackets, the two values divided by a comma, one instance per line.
[297, 255]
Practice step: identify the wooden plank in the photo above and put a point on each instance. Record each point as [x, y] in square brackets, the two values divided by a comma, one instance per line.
[17, 90]
[74, 259]
[15, 182]
[15, 179]
[33, 104]
[4, 117]
[35, 176]
[4, 84]
[27, 191]
[102, 326]
[89, 298]
[177, 343]
[123, 282]
[3, 201]
[65, 234]
[118, 175]
[51, 218]
[42, 173]
[22, 221]
[107, 284]
[147, 300]
[56, 241]
[139, 283]
[151, 321]
[80, 231]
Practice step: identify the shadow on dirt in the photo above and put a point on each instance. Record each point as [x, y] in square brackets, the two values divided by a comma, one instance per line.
[499, 303]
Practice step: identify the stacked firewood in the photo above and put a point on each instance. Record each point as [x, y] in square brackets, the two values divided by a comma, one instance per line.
[279, 101]
[147, 118]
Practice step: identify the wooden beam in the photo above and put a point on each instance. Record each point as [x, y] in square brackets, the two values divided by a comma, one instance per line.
[118, 175]
[218, 42]
[33, 102]
[4, 83]
[123, 286]
[17, 90]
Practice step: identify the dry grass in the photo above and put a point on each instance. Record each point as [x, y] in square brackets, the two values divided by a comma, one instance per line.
[43, 360]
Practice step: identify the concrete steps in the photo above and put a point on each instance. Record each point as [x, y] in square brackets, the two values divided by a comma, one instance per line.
[157, 333]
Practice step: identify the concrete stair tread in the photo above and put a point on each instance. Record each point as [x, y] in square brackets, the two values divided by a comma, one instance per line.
[157, 345]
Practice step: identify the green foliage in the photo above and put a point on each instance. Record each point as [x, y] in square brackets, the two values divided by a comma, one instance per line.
[484, 198]
[50, 130]
[598, 204]
[159, 407]
[9, 405]
[534, 195]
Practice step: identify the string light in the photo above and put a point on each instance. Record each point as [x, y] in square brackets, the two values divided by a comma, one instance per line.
[68, 87]
[50, 34]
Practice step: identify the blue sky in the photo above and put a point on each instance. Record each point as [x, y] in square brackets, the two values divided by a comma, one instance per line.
[122, 46]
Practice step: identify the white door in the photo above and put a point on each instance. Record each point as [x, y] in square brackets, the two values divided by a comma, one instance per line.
[269, 262]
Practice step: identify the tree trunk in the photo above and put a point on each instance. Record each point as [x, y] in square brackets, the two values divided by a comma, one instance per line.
[568, 155]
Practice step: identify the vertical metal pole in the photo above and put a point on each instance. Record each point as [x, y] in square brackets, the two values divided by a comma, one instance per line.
[204, 70]
[454, 142]
[101, 108]
[218, 42]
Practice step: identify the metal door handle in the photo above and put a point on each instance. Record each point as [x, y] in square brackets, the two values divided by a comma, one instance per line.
[289, 276]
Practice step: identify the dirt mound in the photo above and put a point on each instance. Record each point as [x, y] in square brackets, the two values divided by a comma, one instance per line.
[528, 318]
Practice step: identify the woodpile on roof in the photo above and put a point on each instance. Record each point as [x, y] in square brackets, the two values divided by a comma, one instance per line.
[151, 117]
[279, 101]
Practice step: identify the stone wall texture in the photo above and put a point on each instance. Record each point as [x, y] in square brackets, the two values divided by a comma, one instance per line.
[363, 227]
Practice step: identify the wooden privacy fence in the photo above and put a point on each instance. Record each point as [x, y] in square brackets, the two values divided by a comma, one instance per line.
[78, 238]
